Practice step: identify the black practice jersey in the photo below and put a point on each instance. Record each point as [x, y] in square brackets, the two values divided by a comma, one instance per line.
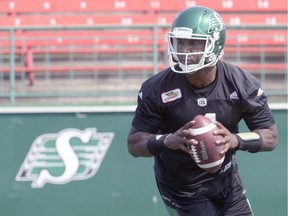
[167, 101]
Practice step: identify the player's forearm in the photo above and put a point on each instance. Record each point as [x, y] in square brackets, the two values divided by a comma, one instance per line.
[137, 144]
[269, 137]
[258, 140]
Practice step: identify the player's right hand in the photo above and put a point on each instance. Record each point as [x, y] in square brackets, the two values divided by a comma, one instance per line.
[182, 139]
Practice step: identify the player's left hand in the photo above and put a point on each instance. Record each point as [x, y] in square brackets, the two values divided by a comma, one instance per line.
[229, 140]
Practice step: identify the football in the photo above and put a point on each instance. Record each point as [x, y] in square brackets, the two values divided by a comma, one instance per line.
[206, 153]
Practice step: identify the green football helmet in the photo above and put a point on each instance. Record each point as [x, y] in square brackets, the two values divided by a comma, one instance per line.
[196, 24]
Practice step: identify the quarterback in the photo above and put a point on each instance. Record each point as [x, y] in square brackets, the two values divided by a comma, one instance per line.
[199, 82]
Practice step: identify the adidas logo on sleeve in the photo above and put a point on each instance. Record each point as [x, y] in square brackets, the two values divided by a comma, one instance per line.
[234, 95]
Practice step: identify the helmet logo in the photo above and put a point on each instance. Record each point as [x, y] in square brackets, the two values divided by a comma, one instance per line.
[215, 25]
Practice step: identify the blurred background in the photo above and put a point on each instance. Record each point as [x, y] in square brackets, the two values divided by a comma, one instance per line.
[93, 52]
[77, 64]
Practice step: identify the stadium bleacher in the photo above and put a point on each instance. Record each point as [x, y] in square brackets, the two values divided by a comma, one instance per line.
[129, 19]
[19, 13]
[80, 6]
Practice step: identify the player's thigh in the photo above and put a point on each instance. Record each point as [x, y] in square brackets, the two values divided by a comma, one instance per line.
[242, 208]
[204, 208]
[237, 203]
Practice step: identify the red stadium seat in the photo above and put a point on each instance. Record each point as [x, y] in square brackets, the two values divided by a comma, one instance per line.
[103, 68]
[251, 18]
[4, 7]
[27, 6]
[257, 37]
[129, 19]
[238, 6]
[130, 12]
[48, 6]
[82, 6]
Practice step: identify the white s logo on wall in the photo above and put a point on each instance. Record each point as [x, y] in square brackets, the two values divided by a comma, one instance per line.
[71, 154]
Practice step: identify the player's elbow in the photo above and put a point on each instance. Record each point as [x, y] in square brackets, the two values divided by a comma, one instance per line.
[132, 151]
[274, 135]
[132, 146]
[274, 141]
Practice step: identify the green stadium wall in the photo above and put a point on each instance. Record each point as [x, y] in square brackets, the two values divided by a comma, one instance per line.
[109, 182]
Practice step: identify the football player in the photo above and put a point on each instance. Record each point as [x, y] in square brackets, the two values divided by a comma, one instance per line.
[198, 82]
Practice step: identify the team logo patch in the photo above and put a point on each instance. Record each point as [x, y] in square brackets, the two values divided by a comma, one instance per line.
[202, 102]
[59, 158]
[171, 95]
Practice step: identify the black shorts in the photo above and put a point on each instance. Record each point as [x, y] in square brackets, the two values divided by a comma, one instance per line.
[224, 197]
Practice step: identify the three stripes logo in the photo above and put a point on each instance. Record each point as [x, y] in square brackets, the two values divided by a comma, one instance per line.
[59, 158]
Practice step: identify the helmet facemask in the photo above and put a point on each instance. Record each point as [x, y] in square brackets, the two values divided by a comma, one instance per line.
[190, 61]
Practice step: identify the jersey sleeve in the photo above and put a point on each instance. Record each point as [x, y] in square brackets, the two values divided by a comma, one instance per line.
[148, 113]
[256, 112]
